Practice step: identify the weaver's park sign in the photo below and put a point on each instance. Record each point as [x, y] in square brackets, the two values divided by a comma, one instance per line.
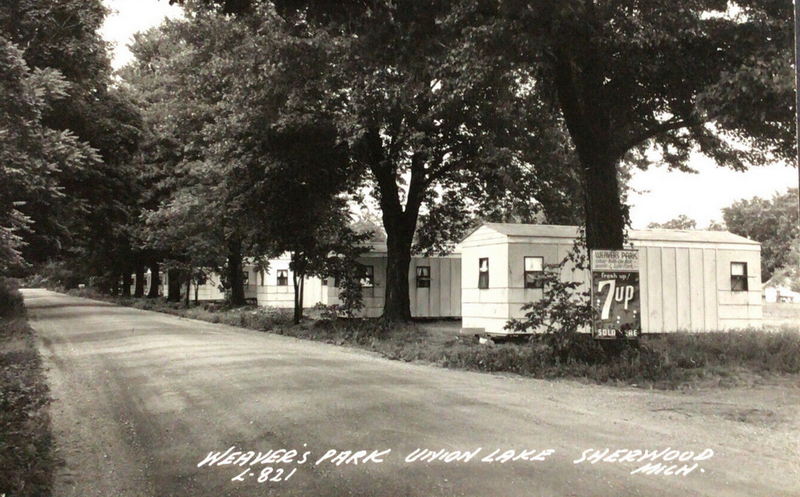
[615, 294]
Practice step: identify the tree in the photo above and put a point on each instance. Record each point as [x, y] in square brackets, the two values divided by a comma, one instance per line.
[284, 164]
[789, 273]
[629, 75]
[772, 222]
[391, 108]
[715, 225]
[180, 227]
[154, 84]
[682, 222]
[89, 224]
[32, 154]
[424, 120]
[719, 79]
[424, 117]
[176, 76]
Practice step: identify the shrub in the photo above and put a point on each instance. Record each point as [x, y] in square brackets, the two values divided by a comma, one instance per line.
[56, 275]
[26, 457]
[563, 311]
[11, 303]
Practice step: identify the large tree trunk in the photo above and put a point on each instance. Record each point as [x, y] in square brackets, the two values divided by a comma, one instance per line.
[155, 280]
[397, 305]
[235, 271]
[127, 282]
[138, 291]
[605, 217]
[399, 221]
[173, 285]
[579, 83]
[298, 280]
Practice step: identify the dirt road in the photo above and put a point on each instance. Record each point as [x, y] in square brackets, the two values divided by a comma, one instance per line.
[142, 398]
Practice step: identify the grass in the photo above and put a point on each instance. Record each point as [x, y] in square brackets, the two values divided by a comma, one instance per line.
[670, 361]
[782, 315]
[26, 453]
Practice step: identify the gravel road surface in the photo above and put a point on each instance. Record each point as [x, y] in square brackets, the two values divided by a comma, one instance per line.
[141, 398]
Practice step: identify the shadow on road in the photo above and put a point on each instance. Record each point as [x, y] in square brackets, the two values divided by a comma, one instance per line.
[34, 305]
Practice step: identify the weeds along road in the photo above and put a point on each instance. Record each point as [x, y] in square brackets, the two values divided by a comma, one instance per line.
[141, 398]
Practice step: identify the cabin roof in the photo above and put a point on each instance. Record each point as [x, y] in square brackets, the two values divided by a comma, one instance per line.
[559, 231]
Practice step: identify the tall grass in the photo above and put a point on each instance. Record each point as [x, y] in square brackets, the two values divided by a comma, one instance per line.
[26, 458]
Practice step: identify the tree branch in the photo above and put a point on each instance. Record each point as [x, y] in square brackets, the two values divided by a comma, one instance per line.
[638, 139]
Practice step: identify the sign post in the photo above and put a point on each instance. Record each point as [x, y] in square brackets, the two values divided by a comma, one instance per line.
[615, 294]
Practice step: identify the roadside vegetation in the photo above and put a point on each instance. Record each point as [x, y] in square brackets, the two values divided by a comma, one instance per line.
[674, 361]
[26, 450]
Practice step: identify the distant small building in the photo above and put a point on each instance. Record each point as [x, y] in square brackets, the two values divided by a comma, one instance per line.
[775, 292]
[689, 280]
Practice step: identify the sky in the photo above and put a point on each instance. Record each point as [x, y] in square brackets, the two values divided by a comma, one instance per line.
[131, 16]
[665, 195]
[658, 195]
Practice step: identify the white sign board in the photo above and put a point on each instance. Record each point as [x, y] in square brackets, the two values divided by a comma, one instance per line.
[615, 260]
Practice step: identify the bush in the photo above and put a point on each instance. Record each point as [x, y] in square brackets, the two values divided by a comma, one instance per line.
[26, 456]
[56, 275]
[11, 303]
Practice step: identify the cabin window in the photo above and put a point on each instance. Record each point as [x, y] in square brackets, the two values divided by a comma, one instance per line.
[423, 276]
[534, 271]
[483, 272]
[368, 280]
[283, 277]
[738, 276]
[245, 277]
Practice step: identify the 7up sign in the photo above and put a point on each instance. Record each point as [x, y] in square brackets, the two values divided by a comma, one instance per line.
[615, 294]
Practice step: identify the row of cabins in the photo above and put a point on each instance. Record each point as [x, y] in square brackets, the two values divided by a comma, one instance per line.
[689, 280]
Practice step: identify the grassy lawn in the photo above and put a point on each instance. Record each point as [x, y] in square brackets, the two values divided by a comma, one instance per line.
[673, 361]
[782, 316]
[26, 459]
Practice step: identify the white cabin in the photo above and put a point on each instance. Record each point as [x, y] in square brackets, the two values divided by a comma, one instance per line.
[689, 280]
[434, 285]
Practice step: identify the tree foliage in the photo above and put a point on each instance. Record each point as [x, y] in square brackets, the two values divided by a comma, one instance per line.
[682, 222]
[772, 222]
[88, 132]
[276, 133]
[191, 212]
[33, 155]
[242, 142]
[706, 75]
[439, 97]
